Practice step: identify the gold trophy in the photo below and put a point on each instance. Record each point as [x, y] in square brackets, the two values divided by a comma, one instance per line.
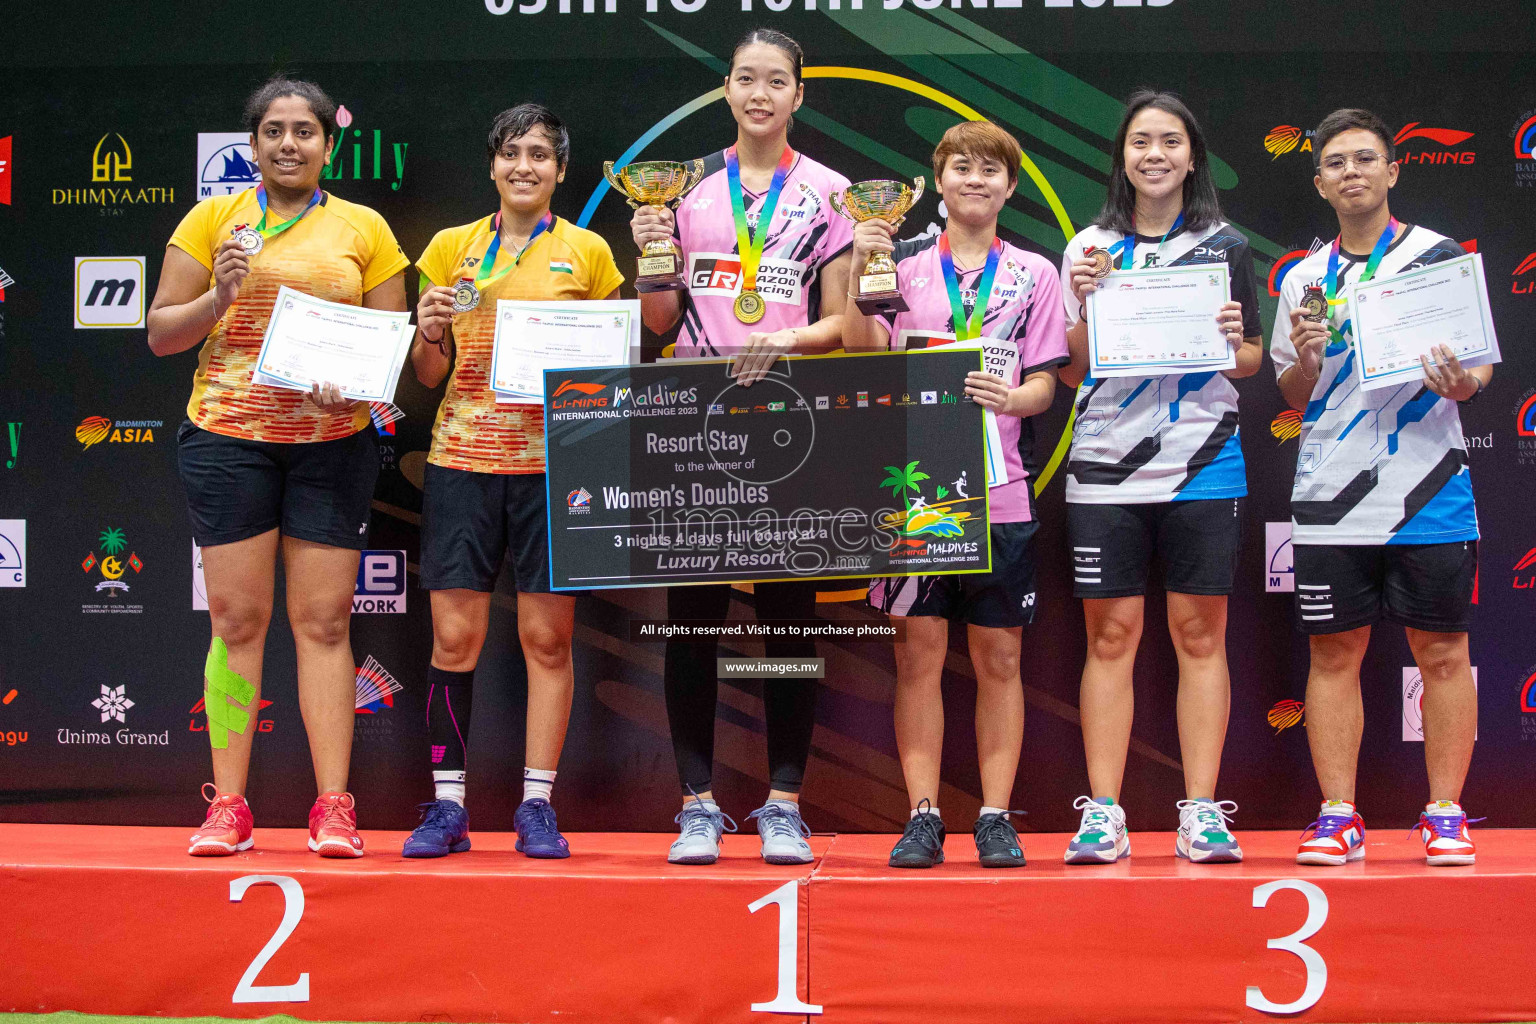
[889, 201]
[656, 183]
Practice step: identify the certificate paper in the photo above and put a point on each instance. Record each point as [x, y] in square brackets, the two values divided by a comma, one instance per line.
[1397, 319]
[1145, 323]
[311, 341]
[532, 337]
[999, 358]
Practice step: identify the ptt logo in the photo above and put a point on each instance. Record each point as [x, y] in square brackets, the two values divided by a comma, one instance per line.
[1442, 150]
[1286, 138]
[381, 584]
[1528, 286]
[576, 394]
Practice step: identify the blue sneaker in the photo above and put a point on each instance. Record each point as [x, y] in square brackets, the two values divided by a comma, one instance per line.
[537, 833]
[783, 833]
[444, 829]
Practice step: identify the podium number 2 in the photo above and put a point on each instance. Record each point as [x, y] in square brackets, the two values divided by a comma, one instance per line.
[786, 999]
[1296, 942]
[293, 909]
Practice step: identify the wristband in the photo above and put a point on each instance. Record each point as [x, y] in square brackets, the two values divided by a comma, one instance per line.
[1473, 396]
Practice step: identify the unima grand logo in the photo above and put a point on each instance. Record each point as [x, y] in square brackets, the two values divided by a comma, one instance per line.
[112, 187]
[109, 292]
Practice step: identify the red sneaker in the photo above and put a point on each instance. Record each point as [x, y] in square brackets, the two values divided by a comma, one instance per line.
[333, 826]
[227, 827]
[1443, 827]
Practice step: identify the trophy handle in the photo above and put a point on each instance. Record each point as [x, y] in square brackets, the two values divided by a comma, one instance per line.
[618, 184]
[917, 191]
[836, 199]
[695, 175]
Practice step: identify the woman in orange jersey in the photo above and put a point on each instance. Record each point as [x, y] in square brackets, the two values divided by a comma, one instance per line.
[484, 489]
[266, 467]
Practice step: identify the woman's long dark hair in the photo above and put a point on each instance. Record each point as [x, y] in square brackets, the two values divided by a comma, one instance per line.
[1201, 207]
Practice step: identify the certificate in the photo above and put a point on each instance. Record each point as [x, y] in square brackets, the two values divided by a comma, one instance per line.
[532, 337]
[1398, 319]
[999, 358]
[311, 341]
[1145, 323]
[832, 466]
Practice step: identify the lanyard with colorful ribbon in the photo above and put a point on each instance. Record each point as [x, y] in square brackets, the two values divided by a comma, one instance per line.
[749, 244]
[1331, 288]
[252, 239]
[1127, 245]
[969, 327]
[466, 296]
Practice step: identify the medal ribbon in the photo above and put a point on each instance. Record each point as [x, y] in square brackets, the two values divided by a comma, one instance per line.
[483, 279]
[968, 328]
[1127, 245]
[1332, 286]
[261, 201]
[748, 247]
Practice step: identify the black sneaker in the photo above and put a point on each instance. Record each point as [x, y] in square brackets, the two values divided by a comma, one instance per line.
[922, 844]
[997, 842]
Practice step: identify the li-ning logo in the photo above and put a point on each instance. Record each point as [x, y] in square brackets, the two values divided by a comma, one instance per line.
[584, 397]
[1526, 287]
[1444, 137]
[1525, 572]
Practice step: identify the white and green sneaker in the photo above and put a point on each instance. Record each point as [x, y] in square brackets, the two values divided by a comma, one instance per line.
[1203, 834]
[1102, 837]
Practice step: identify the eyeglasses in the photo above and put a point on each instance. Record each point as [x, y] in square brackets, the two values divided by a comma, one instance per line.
[1365, 161]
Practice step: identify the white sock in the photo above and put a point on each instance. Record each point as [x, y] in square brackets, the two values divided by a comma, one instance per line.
[993, 810]
[448, 786]
[707, 801]
[931, 810]
[537, 783]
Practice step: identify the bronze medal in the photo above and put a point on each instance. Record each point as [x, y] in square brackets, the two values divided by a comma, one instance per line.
[1103, 263]
[1315, 304]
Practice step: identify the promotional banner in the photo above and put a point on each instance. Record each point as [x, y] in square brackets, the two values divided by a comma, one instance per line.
[834, 467]
[117, 123]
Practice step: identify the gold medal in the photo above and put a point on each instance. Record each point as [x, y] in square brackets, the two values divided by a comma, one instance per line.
[1315, 304]
[1102, 262]
[750, 307]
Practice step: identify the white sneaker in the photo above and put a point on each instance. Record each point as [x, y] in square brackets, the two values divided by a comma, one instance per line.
[1203, 834]
[702, 824]
[783, 832]
[1102, 837]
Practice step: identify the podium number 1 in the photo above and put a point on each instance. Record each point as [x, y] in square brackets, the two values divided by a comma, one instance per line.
[787, 999]
[1296, 943]
[293, 909]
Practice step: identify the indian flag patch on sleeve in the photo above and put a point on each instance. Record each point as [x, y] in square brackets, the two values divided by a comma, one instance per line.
[561, 267]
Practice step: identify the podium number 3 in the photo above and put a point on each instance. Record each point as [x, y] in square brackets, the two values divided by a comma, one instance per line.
[1296, 942]
[786, 999]
[293, 909]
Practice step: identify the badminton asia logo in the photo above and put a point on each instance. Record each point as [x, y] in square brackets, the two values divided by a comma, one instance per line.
[94, 430]
[1286, 426]
[1285, 714]
[113, 567]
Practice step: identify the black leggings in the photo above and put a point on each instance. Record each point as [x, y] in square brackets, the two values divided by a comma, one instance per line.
[692, 684]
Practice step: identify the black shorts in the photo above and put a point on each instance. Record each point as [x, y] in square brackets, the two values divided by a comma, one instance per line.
[320, 491]
[1196, 541]
[1002, 598]
[1423, 586]
[471, 521]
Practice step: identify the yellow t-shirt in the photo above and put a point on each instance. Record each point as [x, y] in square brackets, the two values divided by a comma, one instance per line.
[563, 264]
[337, 252]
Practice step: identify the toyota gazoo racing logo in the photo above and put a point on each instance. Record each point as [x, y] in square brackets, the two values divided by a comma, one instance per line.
[719, 273]
[1441, 149]
[577, 394]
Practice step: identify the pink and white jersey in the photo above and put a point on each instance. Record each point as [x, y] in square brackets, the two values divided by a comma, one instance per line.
[1025, 308]
[805, 235]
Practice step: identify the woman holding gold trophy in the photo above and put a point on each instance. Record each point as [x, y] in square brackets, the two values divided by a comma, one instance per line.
[760, 245]
[968, 285]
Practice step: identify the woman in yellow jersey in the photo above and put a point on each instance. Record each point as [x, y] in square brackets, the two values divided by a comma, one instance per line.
[263, 464]
[484, 488]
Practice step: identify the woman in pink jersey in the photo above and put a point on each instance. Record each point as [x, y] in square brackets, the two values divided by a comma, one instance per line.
[753, 303]
[970, 285]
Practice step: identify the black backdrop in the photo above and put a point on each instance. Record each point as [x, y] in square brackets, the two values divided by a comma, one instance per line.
[85, 90]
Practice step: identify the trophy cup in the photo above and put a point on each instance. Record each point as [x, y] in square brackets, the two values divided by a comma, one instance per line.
[656, 183]
[889, 201]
